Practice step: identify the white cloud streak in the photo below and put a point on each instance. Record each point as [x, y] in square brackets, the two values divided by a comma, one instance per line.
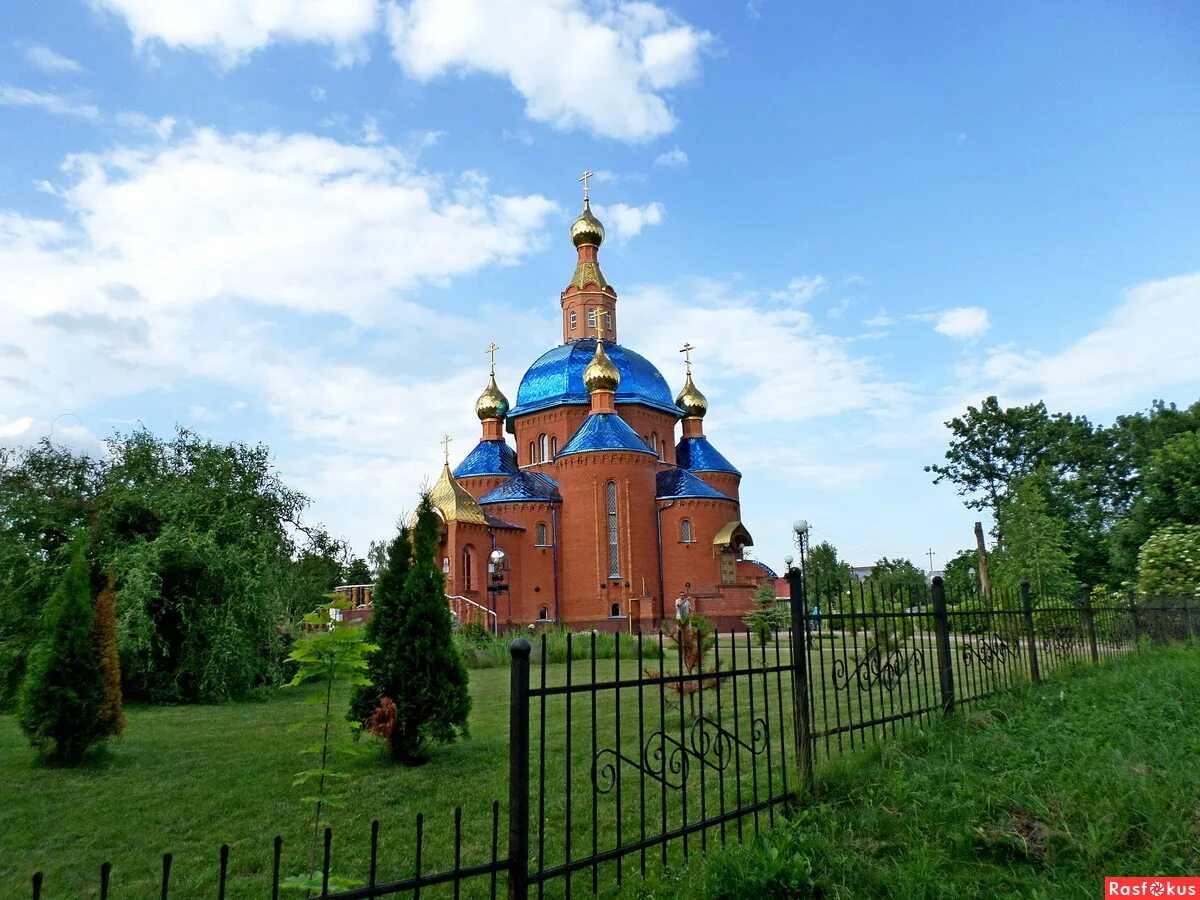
[47, 60]
[55, 104]
[963, 323]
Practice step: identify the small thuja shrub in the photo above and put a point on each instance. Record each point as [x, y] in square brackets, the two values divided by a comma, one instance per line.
[330, 652]
[61, 696]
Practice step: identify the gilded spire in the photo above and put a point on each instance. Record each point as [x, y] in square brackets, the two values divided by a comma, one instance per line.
[492, 404]
[453, 502]
[587, 228]
[690, 401]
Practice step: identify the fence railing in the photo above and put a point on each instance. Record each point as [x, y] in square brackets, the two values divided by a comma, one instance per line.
[692, 740]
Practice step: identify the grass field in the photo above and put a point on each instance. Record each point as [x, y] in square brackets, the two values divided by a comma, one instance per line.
[187, 779]
[1037, 793]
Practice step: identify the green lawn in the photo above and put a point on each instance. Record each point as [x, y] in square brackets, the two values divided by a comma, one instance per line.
[1038, 793]
[187, 779]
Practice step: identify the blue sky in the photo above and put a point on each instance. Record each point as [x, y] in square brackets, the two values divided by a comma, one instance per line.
[301, 223]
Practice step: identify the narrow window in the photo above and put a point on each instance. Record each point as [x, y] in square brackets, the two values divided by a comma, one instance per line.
[591, 318]
[608, 324]
[614, 564]
[532, 452]
[574, 320]
[541, 534]
[544, 441]
[468, 579]
[615, 611]
[685, 531]
[553, 447]
[543, 612]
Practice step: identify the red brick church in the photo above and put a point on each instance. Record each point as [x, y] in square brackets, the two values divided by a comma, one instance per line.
[605, 520]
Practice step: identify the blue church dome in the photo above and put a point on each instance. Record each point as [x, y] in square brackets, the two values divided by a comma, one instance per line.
[557, 378]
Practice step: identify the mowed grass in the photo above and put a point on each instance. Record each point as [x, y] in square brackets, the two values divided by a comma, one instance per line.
[187, 779]
[1040, 792]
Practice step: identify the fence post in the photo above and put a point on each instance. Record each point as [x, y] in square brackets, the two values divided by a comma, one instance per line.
[518, 772]
[941, 630]
[801, 714]
[1187, 618]
[1133, 618]
[1035, 672]
[1089, 624]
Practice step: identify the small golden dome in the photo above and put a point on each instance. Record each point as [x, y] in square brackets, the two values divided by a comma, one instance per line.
[587, 228]
[601, 373]
[690, 401]
[492, 404]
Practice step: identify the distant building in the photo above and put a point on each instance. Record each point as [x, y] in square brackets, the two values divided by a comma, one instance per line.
[604, 519]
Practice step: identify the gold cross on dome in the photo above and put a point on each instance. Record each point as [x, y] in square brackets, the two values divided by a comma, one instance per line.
[584, 178]
[686, 350]
[599, 311]
[491, 352]
[446, 447]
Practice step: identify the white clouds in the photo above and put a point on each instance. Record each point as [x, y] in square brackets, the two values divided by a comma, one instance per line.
[672, 159]
[602, 70]
[47, 60]
[301, 222]
[318, 94]
[52, 103]
[1149, 343]
[232, 29]
[963, 323]
[802, 288]
[628, 221]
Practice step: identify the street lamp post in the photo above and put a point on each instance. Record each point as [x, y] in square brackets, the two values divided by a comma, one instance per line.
[801, 642]
[497, 570]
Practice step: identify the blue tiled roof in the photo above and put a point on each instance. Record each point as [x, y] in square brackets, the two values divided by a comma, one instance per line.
[680, 483]
[557, 378]
[524, 486]
[698, 455]
[488, 458]
[604, 431]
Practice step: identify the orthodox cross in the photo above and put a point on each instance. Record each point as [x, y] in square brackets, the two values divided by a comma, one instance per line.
[686, 350]
[446, 447]
[599, 311]
[584, 177]
[491, 352]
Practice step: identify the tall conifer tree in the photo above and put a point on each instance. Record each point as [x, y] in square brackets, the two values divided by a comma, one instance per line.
[383, 630]
[60, 698]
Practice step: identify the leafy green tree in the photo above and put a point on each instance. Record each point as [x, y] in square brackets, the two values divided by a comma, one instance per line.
[894, 584]
[61, 695]
[825, 575]
[1169, 562]
[770, 616]
[329, 653]
[990, 447]
[961, 575]
[1035, 544]
[358, 572]
[385, 628]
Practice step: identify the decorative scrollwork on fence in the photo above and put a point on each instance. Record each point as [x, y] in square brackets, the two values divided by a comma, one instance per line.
[669, 761]
[987, 653]
[877, 667]
[1065, 642]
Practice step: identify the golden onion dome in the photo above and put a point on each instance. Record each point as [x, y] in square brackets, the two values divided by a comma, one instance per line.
[690, 401]
[492, 404]
[587, 228]
[601, 373]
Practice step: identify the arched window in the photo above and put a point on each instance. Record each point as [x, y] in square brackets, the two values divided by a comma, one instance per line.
[468, 569]
[591, 318]
[544, 443]
[615, 611]
[654, 444]
[543, 612]
[532, 452]
[541, 534]
[614, 549]
[553, 447]
[685, 532]
[574, 320]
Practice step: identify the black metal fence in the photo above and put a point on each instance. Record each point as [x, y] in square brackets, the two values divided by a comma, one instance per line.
[619, 766]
